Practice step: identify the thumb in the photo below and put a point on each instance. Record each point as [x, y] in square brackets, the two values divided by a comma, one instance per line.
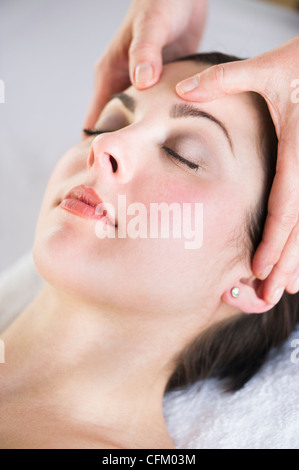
[145, 52]
[99, 99]
[110, 78]
[222, 79]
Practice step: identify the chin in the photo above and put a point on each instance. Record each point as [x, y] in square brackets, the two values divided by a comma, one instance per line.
[69, 261]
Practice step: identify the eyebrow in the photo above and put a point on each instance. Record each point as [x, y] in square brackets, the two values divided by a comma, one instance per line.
[126, 100]
[179, 111]
[187, 110]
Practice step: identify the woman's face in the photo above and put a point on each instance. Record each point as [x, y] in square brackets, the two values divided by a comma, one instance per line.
[218, 166]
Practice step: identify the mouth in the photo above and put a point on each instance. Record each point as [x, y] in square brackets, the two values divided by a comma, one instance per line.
[84, 202]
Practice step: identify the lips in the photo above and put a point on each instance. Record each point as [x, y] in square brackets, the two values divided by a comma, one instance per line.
[83, 201]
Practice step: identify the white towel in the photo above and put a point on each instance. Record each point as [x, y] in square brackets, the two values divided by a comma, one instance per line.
[262, 415]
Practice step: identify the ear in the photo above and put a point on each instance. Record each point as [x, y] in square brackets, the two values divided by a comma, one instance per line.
[248, 300]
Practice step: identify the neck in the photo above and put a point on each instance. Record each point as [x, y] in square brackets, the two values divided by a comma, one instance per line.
[119, 365]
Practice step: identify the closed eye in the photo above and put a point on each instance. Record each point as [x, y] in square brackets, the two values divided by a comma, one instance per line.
[178, 157]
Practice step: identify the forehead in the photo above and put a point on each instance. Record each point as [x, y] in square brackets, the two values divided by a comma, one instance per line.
[177, 71]
[238, 112]
[232, 108]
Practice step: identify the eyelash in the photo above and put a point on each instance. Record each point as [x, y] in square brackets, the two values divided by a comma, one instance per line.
[170, 152]
[90, 132]
[181, 159]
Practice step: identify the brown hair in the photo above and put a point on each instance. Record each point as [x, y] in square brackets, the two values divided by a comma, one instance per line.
[235, 349]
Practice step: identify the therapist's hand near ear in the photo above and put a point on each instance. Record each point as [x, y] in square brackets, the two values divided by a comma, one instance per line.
[135, 54]
[275, 76]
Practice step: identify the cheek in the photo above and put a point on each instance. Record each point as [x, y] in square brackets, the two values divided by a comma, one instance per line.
[72, 163]
[202, 223]
[70, 168]
[221, 217]
[218, 214]
[66, 174]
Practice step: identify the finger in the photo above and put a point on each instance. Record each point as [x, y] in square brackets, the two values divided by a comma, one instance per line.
[293, 285]
[183, 46]
[283, 211]
[278, 226]
[109, 79]
[284, 271]
[95, 106]
[145, 52]
[222, 79]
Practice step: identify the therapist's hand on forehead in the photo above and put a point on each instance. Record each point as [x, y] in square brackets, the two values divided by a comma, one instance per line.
[150, 28]
[157, 30]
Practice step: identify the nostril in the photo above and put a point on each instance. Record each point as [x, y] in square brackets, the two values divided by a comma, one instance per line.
[108, 162]
[113, 164]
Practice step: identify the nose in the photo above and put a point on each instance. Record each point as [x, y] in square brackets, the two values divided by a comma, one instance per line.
[109, 155]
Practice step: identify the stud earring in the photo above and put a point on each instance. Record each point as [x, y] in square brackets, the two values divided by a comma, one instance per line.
[235, 292]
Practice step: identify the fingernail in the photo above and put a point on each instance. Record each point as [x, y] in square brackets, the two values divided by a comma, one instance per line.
[144, 72]
[262, 276]
[276, 296]
[188, 85]
[295, 286]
